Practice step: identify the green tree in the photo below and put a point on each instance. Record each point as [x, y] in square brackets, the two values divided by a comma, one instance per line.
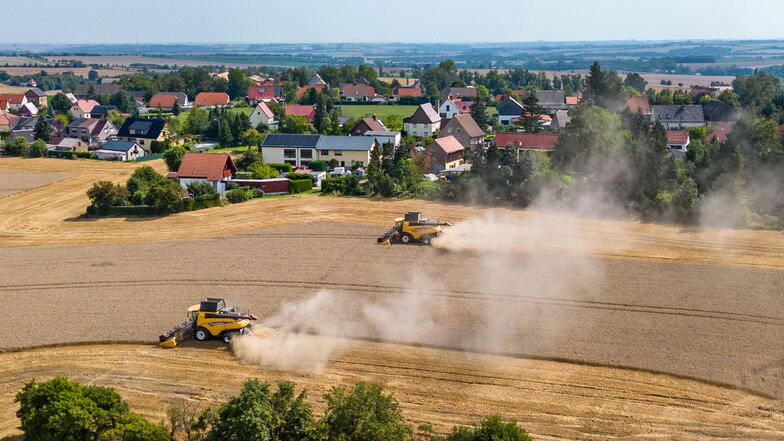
[238, 84]
[198, 121]
[604, 88]
[530, 120]
[592, 137]
[123, 100]
[295, 124]
[225, 135]
[249, 157]
[479, 114]
[140, 182]
[60, 103]
[252, 138]
[258, 414]
[173, 157]
[757, 90]
[17, 147]
[493, 428]
[635, 81]
[37, 149]
[176, 108]
[92, 75]
[105, 194]
[259, 170]
[164, 195]
[363, 413]
[201, 188]
[42, 130]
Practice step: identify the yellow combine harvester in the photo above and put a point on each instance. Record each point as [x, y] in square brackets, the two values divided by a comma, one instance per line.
[412, 228]
[211, 318]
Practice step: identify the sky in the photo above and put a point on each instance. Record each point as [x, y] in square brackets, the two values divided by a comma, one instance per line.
[363, 21]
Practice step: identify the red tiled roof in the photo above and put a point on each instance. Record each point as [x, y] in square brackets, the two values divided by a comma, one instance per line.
[265, 109]
[720, 132]
[537, 141]
[257, 93]
[210, 166]
[407, 91]
[13, 98]
[211, 99]
[7, 119]
[293, 109]
[358, 90]
[448, 144]
[86, 106]
[302, 90]
[163, 101]
[677, 137]
[639, 103]
[464, 106]
[572, 100]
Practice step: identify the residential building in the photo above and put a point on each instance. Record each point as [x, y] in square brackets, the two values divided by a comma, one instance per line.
[290, 148]
[7, 121]
[14, 101]
[300, 150]
[383, 137]
[572, 101]
[718, 111]
[360, 91]
[308, 112]
[720, 132]
[92, 131]
[83, 108]
[444, 153]
[120, 151]
[28, 109]
[465, 130]
[508, 110]
[182, 99]
[316, 80]
[639, 103]
[527, 141]
[406, 92]
[424, 122]
[24, 128]
[560, 119]
[102, 111]
[551, 100]
[211, 99]
[37, 97]
[304, 89]
[464, 106]
[70, 145]
[263, 115]
[214, 168]
[448, 109]
[265, 93]
[678, 140]
[369, 124]
[459, 92]
[678, 117]
[143, 131]
[82, 91]
[161, 101]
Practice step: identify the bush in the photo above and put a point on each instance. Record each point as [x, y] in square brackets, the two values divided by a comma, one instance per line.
[238, 195]
[491, 428]
[69, 155]
[259, 170]
[299, 176]
[201, 188]
[60, 409]
[17, 147]
[199, 202]
[282, 168]
[37, 149]
[232, 186]
[300, 185]
[107, 194]
[173, 157]
[249, 157]
[318, 165]
[164, 195]
[363, 413]
[332, 185]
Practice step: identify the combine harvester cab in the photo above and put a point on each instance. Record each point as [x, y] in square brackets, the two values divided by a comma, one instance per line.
[209, 319]
[413, 228]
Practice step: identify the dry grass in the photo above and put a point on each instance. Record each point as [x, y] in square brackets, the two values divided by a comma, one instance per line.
[551, 400]
[79, 71]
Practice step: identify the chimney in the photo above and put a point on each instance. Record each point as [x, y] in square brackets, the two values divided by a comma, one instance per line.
[374, 117]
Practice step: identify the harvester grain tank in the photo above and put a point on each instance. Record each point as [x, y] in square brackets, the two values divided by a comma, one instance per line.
[209, 319]
[413, 228]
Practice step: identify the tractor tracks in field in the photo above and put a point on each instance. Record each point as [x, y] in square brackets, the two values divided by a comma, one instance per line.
[467, 295]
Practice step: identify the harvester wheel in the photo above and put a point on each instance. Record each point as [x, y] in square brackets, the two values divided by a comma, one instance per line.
[406, 238]
[201, 334]
[226, 337]
[426, 239]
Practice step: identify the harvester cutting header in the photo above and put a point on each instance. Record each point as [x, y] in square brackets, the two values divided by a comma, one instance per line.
[413, 228]
[211, 318]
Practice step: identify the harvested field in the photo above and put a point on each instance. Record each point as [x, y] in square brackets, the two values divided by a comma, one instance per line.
[4, 88]
[678, 318]
[12, 182]
[551, 400]
[78, 71]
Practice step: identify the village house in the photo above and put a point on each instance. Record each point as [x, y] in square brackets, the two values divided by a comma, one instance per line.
[459, 92]
[720, 132]
[262, 114]
[444, 153]
[119, 151]
[14, 101]
[307, 112]
[359, 91]
[370, 124]
[211, 99]
[465, 130]
[182, 99]
[300, 150]
[92, 131]
[24, 128]
[346, 150]
[265, 94]
[82, 91]
[304, 89]
[142, 131]
[423, 123]
[406, 92]
[161, 101]
[639, 103]
[316, 80]
[551, 100]
[718, 111]
[678, 117]
[101, 111]
[37, 97]
[214, 168]
[28, 109]
[508, 110]
[560, 119]
[448, 109]
[527, 141]
[69, 145]
[7, 121]
[83, 108]
[383, 137]
[678, 140]
[464, 107]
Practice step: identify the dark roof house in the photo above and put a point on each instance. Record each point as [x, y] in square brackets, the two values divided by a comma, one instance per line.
[459, 92]
[551, 99]
[718, 111]
[292, 140]
[424, 114]
[464, 129]
[371, 124]
[82, 90]
[146, 128]
[678, 114]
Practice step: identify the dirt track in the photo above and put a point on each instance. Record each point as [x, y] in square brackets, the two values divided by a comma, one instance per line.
[443, 388]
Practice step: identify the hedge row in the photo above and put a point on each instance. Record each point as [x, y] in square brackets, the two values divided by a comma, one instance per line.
[69, 155]
[332, 185]
[318, 165]
[300, 176]
[200, 202]
[186, 204]
[300, 185]
[282, 168]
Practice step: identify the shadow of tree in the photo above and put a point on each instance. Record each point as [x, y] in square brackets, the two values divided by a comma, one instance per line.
[13, 438]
